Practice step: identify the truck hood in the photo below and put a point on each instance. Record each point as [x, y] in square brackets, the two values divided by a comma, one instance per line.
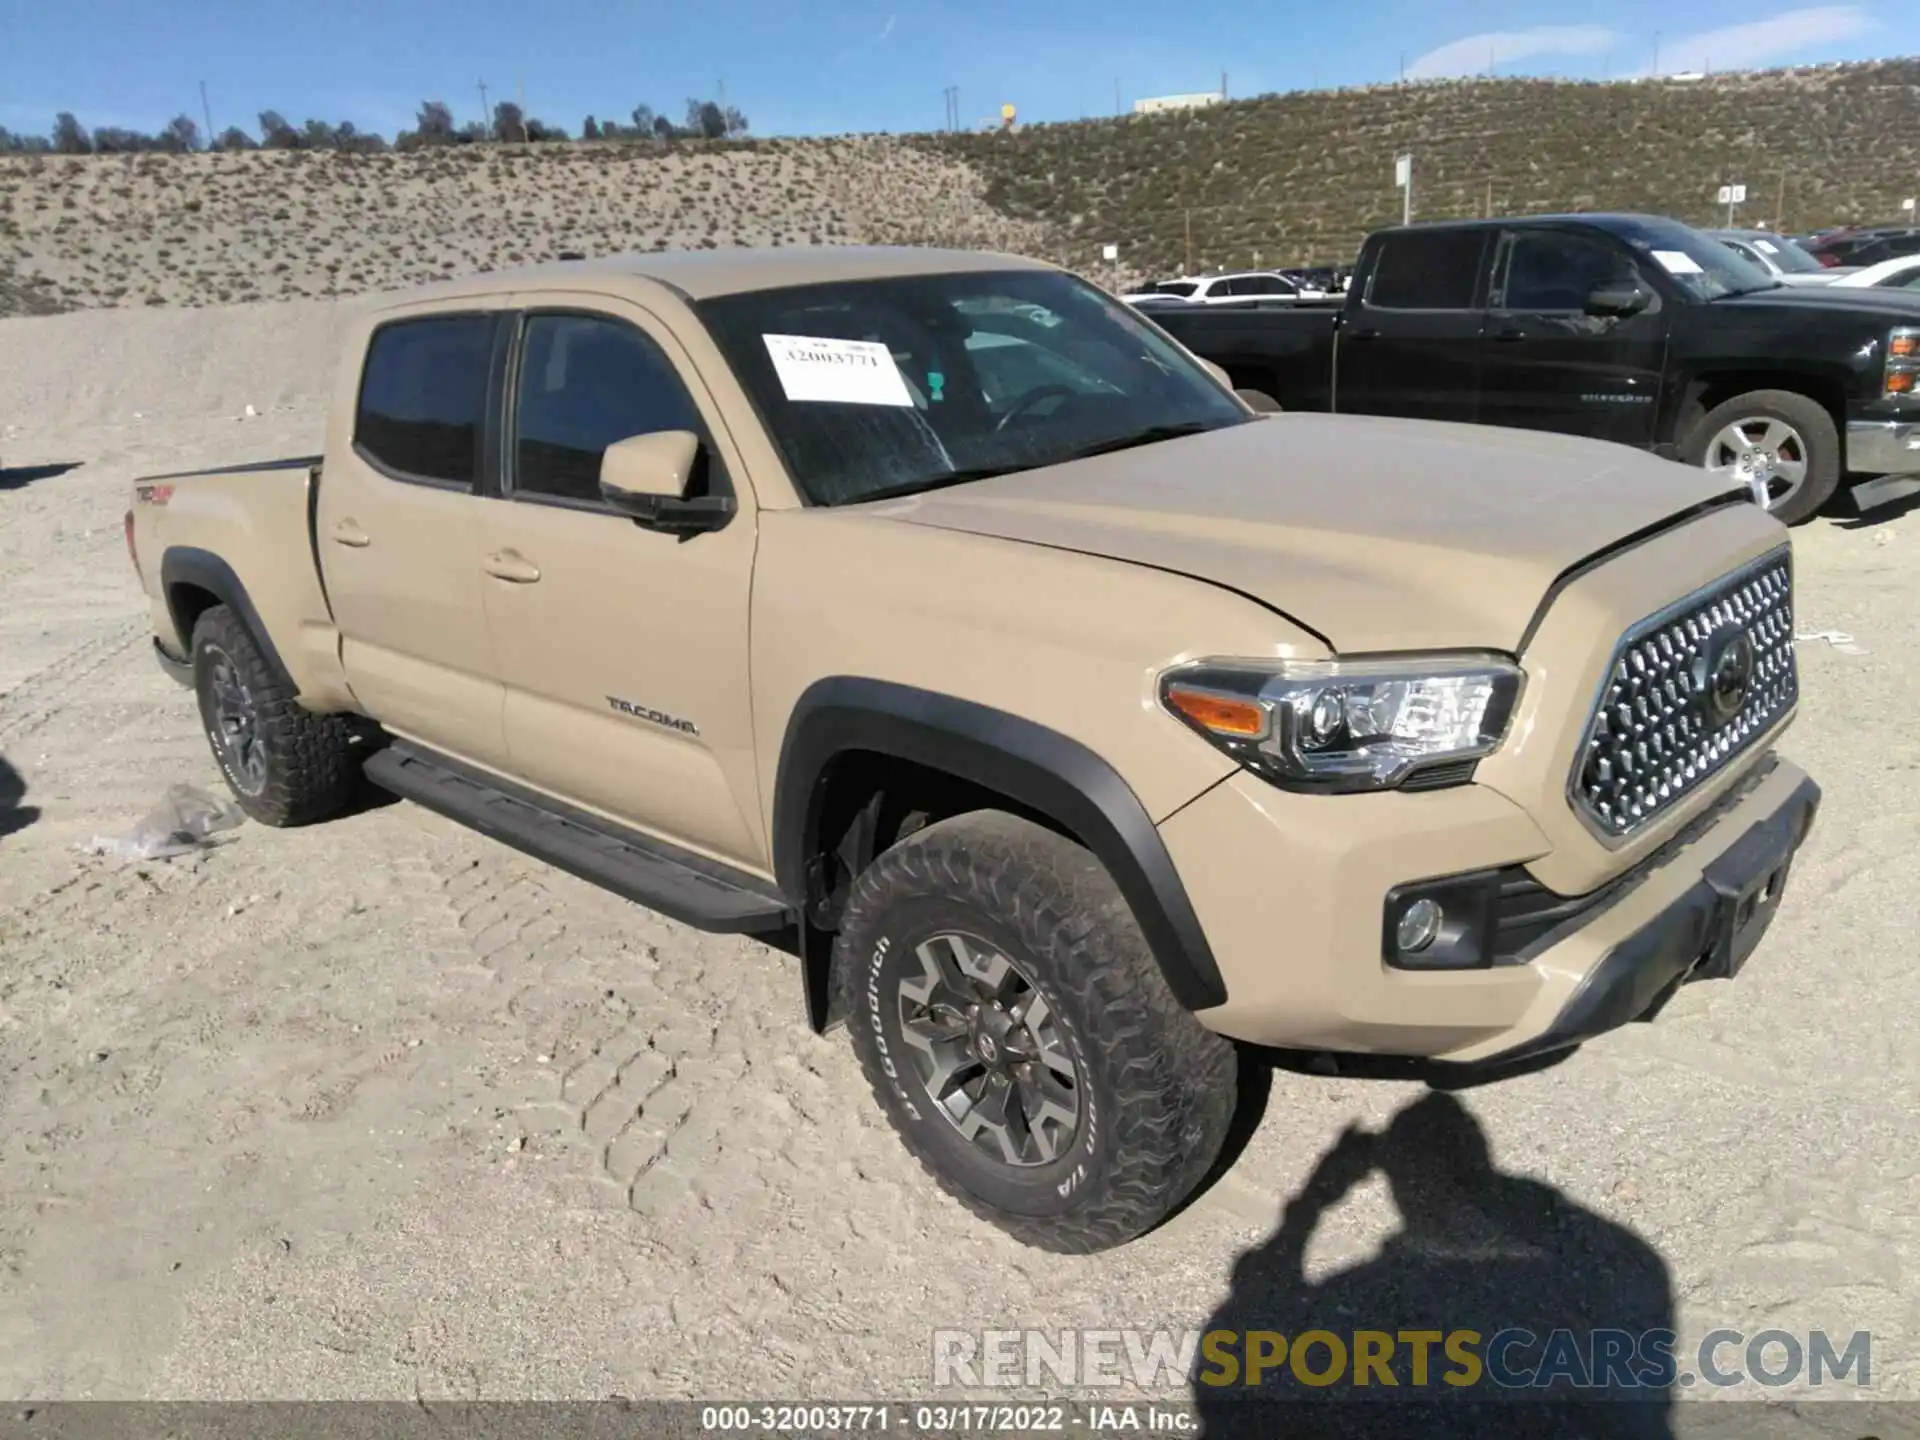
[1375, 534]
[1897, 306]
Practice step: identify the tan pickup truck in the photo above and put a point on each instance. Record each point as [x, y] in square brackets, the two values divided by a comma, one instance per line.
[1075, 722]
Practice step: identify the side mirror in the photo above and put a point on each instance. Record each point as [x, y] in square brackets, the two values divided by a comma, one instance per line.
[1619, 301]
[1226, 380]
[1259, 402]
[645, 478]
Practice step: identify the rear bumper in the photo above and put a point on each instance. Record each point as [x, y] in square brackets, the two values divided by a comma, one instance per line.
[178, 668]
[1883, 447]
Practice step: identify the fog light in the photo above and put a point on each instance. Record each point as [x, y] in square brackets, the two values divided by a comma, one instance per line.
[1419, 925]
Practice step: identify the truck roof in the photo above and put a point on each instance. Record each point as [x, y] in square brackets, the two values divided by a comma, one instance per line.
[702, 274]
[1615, 220]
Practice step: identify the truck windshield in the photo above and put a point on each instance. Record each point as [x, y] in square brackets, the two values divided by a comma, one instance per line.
[1699, 264]
[877, 388]
[1788, 256]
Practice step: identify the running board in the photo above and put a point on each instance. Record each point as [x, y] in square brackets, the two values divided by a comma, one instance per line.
[679, 884]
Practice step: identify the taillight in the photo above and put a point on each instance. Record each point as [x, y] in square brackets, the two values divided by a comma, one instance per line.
[133, 550]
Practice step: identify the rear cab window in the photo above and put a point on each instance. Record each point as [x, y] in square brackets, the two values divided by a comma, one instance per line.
[1427, 270]
[423, 398]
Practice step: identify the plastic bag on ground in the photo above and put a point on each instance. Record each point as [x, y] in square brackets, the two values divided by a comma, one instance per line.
[185, 820]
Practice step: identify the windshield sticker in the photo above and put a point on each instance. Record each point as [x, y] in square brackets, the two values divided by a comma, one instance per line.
[844, 372]
[1766, 245]
[1678, 262]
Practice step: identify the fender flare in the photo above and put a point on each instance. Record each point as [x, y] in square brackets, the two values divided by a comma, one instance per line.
[189, 565]
[1048, 772]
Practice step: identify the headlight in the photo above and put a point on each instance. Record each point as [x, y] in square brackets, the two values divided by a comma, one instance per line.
[1350, 724]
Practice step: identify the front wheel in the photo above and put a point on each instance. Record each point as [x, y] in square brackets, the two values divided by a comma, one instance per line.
[1017, 1031]
[1781, 445]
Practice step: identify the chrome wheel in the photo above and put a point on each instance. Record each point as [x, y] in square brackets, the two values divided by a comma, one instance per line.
[233, 723]
[1765, 454]
[988, 1051]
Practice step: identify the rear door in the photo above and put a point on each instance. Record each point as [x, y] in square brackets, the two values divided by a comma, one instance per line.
[1548, 365]
[1411, 342]
[624, 650]
[398, 530]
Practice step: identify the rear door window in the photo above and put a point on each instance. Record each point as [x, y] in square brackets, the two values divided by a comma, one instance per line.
[1438, 270]
[423, 398]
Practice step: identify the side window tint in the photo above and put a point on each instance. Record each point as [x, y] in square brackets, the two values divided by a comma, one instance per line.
[586, 382]
[423, 396]
[1437, 271]
[1551, 271]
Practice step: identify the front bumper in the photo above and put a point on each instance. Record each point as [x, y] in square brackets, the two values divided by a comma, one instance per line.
[1290, 889]
[1883, 447]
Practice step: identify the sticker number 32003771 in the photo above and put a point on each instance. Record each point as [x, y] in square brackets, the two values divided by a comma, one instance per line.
[849, 372]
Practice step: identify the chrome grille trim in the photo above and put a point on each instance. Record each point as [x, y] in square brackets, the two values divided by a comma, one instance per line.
[1654, 736]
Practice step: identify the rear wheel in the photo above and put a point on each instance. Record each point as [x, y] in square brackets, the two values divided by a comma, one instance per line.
[1020, 1037]
[1781, 445]
[284, 764]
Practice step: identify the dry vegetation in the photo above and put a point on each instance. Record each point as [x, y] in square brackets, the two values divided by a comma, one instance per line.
[1304, 177]
[158, 229]
[1270, 181]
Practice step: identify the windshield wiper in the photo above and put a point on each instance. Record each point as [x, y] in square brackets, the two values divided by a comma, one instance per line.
[1152, 435]
[1148, 436]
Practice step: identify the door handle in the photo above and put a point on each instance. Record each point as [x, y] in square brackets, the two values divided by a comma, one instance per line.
[512, 566]
[1363, 334]
[1508, 334]
[348, 532]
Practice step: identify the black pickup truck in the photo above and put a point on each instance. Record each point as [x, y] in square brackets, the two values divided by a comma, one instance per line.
[1628, 328]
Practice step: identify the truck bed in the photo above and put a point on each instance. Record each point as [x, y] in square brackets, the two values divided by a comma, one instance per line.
[241, 536]
[1285, 351]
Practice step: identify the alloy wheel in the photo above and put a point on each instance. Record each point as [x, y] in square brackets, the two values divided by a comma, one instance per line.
[1766, 454]
[988, 1051]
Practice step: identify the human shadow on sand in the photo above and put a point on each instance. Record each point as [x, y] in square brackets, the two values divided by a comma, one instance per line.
[23, 475]
[1478, 1251]
[13, 789]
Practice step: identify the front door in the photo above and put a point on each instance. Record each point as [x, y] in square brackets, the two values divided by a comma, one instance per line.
[398, 530]
[1411, 344]
[624, 651]
[1546, 364]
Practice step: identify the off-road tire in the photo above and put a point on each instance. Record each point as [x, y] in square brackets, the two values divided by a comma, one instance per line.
[1157, 1088]
[1808, 417]
[312, 769]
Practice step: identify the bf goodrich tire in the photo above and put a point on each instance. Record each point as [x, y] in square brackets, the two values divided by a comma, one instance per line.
[284, 764]
[1795, 434]
[1020, 1037]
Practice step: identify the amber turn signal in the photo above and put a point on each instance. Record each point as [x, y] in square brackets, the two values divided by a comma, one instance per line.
[1900, 383]
[1223, 715]
[1903, 344]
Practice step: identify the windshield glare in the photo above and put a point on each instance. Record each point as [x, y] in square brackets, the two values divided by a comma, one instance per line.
[1696, 262]
[1784, 253]
[888, 386]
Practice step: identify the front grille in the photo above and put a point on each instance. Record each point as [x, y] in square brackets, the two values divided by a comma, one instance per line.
[1688, 690]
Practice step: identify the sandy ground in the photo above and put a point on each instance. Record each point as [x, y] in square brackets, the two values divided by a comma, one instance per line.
[379, 1109]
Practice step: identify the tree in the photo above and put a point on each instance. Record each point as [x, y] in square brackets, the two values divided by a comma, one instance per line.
[234, 138]
[181, 136]
[471, 133]
[539, 130]
[509, 123]
[590, 130]
[116, 140]
[434, 124]
[69, 136]
[705, 120]
[645, 122]
[736, 122]
[663, 128]
[277, 134]
[319, 135]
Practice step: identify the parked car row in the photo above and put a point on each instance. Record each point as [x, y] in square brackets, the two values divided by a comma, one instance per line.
[1219, 289]
[1629, 328]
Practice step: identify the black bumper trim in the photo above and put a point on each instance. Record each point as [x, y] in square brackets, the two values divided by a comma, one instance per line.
[1691, 939]
[178, 667]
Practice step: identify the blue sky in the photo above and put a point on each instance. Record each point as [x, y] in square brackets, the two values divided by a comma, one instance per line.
[800, 67]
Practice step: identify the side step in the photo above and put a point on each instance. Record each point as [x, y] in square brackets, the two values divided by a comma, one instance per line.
[681, 885]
